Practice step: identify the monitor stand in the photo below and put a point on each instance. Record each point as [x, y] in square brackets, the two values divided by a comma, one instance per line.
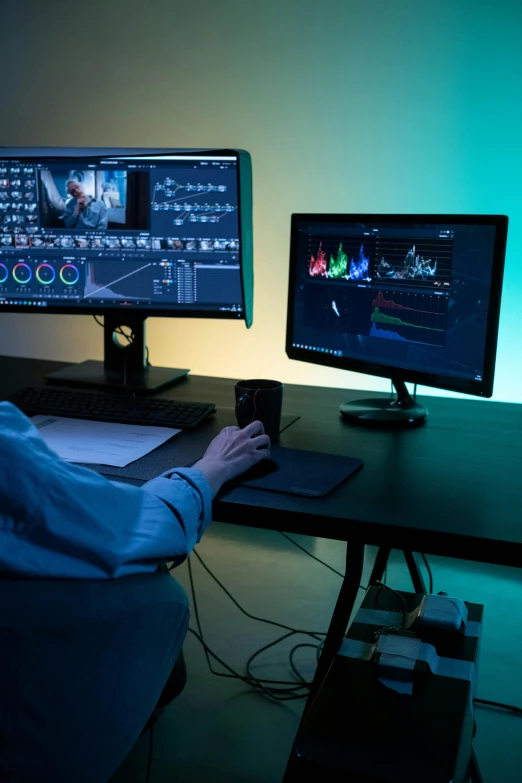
[402, 412]
[125, 366]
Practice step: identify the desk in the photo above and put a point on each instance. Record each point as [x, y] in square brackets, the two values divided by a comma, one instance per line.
[452, 487]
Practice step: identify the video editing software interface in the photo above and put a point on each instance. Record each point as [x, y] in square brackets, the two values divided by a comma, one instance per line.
[409, 296]
[144, 232]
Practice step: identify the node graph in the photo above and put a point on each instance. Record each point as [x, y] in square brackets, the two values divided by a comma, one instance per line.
[172, 196]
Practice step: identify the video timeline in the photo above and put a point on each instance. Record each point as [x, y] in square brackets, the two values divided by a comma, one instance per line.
[119, 243]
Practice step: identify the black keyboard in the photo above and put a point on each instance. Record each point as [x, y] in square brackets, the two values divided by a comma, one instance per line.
[105, 407]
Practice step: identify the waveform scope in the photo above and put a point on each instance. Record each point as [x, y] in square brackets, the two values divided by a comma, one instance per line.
[339, 266]
[427, 264]
[377, 316]
[383, 303]
[317, 266]
[409, 317]
[388, 334]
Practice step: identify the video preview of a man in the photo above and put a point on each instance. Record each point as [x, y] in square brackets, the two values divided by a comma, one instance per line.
[94, 200]
[83, 211]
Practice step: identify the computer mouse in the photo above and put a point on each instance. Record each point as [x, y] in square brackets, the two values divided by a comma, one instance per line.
[262, 469]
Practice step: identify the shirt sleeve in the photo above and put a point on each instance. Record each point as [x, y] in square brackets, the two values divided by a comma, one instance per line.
[103, 216]
[58, 519]
[69, 218]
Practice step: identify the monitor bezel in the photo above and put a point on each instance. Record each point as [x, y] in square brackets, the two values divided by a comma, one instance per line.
[483, 388]
[60, 155]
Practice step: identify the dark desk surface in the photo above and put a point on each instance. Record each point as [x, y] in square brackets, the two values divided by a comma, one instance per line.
[452, 487]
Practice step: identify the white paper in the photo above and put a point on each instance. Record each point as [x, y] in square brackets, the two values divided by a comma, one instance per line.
[100, 442]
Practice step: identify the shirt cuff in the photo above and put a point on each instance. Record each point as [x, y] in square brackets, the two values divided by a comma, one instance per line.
[169, 492]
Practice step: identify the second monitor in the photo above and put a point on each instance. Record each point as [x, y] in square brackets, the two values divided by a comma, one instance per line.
[407, 297]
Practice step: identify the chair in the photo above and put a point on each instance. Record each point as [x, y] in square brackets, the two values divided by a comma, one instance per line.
[86, 666]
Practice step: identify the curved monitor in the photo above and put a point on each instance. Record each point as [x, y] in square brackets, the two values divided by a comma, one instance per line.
[161, 232]
[407, 297]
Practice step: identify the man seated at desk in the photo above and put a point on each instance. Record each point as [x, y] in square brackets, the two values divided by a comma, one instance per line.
[83, 211]
[85, 656]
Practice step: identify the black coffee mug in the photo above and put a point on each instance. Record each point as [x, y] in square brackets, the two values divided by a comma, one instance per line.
[260, 400]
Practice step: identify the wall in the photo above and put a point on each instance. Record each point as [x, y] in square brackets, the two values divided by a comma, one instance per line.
[344, 105]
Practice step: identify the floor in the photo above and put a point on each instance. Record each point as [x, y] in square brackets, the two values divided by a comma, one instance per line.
[220, 730]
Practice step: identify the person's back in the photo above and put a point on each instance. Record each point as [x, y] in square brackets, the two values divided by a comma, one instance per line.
[84, 656]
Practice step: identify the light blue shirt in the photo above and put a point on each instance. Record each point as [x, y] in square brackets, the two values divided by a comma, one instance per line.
[94, 217]
[61, 520]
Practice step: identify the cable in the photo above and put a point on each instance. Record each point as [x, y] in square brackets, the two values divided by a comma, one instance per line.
[151, 748]
[511, 707]
[118, 330]
[381, 585]
[292, 692]
[292, 653]
[128, 337]
[251, 679]
[429, 571]
[252, 616]
[235, 675]
[253, 682]
[278, 694]
[267, 647]
[285, 535]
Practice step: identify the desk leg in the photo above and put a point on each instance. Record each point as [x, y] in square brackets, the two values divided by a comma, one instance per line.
[336, 632]
[341, 615]
[475, 774]
[413, 563]
[379, 567]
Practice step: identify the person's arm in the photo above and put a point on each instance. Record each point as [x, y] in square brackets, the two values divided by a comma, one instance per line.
[70, 216]
[103, 218]
[61, 520]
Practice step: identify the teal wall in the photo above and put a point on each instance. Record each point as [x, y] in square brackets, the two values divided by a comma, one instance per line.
[344, 106]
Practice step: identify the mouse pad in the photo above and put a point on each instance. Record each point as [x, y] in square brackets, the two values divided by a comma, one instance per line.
[184, 449]
[297, 472]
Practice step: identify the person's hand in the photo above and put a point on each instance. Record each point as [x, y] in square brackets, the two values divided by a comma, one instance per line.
[81, 203]
[233, 452]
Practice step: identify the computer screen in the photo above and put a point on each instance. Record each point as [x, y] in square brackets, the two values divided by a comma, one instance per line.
[415, 297]
[90, 233]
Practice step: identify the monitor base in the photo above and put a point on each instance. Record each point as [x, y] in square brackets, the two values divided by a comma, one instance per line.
[125, 364]
[91, 373]
[402, 413]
